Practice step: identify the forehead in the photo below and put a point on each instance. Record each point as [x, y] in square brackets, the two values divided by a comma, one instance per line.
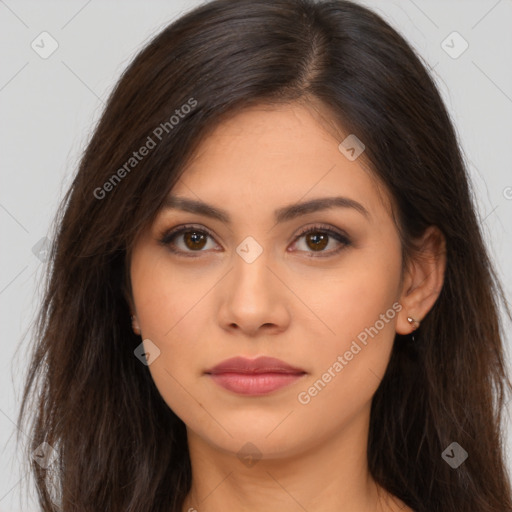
[275, 155]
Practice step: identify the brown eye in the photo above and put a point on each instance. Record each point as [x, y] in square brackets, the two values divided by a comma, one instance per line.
[188, 240]
[194, 240]
[317, 240]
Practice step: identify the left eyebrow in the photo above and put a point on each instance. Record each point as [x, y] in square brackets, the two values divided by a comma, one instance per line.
[315, 205]
[283, 214]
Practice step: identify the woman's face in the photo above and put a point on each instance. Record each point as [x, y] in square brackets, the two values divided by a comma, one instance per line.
[252, 284]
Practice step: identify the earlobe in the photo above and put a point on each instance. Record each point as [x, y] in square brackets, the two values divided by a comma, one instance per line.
[133, 317]
[407, 324]
[424, 281]
[135, 325]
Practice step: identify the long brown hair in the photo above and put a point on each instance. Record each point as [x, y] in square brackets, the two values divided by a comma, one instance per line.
[118, 446]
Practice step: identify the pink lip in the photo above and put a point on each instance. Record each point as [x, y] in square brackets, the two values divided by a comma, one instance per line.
[254, 376]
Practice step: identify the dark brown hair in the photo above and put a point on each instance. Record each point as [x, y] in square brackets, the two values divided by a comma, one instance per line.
[119, 447]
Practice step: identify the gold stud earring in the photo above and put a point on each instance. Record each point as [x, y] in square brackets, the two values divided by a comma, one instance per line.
[415, 324]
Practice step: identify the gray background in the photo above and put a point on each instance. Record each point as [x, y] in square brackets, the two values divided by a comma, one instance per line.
[49, 107]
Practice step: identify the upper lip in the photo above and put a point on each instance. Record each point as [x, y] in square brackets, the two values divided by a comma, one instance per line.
[261, 364]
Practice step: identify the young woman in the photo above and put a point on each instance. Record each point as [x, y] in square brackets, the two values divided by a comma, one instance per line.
[268, 288]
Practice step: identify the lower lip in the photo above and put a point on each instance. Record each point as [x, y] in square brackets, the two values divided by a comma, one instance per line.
[254, 384]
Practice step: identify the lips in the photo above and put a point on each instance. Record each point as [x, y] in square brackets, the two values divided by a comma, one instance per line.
[254, 376]
[259, 365]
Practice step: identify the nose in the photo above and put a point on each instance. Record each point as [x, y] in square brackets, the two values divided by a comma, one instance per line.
[253, 299]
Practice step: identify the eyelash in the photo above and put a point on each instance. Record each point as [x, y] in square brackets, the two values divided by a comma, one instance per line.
[167, 237]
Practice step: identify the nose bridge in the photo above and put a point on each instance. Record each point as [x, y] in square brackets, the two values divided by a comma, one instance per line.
[252, 296]
[250, 272]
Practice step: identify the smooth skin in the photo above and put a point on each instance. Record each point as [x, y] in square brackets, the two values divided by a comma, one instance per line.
[303, 300]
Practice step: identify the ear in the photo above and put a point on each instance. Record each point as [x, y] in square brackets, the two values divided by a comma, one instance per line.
[423, 279]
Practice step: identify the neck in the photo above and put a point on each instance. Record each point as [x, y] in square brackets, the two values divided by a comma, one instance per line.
[331, 475]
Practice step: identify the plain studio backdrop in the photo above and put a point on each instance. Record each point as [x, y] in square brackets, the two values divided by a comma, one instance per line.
[61, 59]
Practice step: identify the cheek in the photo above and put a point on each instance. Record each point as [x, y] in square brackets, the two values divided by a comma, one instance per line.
[360, 309]
[172, 306]
[354, 295]
[164, 295]
[170, 320]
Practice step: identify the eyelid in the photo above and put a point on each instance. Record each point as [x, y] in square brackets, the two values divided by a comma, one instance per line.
[339, 235]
